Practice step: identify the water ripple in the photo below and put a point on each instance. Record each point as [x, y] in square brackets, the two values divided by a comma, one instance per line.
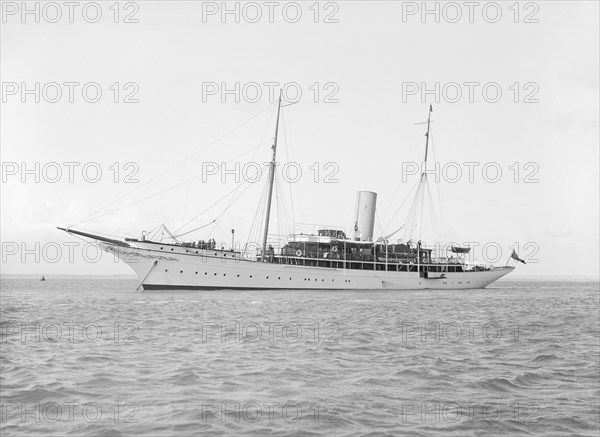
[521, 358]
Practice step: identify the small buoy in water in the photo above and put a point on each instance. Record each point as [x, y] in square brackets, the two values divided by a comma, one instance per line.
[43, 279]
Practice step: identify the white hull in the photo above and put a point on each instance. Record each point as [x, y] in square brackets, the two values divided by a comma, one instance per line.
[176, 267]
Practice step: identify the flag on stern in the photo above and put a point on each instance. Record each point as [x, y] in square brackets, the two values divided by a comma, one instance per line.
[514, 256]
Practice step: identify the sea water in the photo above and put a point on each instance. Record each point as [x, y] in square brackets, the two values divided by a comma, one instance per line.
[95, 357]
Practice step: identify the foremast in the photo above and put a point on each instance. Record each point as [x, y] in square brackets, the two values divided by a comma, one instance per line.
[271, 182]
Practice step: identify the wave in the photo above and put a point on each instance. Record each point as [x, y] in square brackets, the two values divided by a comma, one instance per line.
[544, 358]
[529, 378]
[186, 377]
[498, 385]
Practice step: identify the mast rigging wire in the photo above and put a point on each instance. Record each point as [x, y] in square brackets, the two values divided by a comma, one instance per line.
[169, 169]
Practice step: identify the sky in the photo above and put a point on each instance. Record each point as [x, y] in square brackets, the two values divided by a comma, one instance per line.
[188, 90]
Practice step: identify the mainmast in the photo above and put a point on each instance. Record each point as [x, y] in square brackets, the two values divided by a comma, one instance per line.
[271, 181]
[415, 214]
[424, 174]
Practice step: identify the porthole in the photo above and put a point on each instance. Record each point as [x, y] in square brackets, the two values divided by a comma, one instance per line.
[166, 270]
[161, 248]
[171, 248]
[278, 277]
[180, 271]
[238, 276]
[196, 272]
[205, 273]
[215, 273]
[250, 275]
[267, 277]
[223, 274]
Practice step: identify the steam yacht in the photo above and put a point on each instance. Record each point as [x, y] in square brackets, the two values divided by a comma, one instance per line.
[327, 259]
